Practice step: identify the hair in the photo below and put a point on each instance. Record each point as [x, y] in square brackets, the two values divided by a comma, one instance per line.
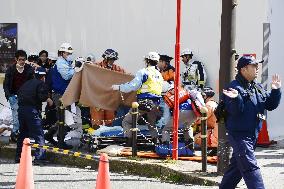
[38, 76]
[151, 62]
[42, 52]
[21, 53]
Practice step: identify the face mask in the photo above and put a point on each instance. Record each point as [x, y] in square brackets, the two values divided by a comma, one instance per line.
[69, 58]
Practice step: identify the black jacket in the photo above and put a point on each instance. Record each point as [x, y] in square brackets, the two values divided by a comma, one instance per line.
[9, 75]
[32, 93]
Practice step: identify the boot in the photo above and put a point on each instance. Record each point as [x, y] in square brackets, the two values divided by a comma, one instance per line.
[190, 144]
[212, 152]
[49, 135]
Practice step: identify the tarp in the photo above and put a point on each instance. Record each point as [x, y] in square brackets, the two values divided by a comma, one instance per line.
[92, 87]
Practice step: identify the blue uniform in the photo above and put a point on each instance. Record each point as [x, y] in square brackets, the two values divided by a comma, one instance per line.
[31, 95]
[243, 124]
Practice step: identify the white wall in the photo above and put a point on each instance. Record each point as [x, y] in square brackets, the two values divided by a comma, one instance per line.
[134, 27]
[276, 63]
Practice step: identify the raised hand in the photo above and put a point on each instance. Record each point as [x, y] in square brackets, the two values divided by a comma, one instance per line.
[276, 82]
[232, 93]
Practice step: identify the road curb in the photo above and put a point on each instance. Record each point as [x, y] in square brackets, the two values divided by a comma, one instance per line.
[121, 165]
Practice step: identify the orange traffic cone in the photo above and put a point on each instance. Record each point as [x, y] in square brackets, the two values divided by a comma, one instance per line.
[25, 178]
[263, 137]
[103, 178]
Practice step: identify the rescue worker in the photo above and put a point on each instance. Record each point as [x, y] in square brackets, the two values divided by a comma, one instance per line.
[245, 102]
[194, 75]
[31, 95]
[60, 75]
[16, 75]
[186, 118]
[100, 116]
[148, 84]
[212, 126]
[166, 69]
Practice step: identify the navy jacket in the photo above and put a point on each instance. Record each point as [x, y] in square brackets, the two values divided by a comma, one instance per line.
[242, 118]
[33, 93]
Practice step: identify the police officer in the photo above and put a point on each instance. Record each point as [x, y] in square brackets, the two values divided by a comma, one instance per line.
[30, 97]
[148, 84]
[194, 75]
[245, 102]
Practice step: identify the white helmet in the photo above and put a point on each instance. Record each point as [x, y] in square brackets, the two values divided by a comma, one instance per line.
[52, 56]
[153, 56]
[66, 47]
[91, 57]
[186, 52]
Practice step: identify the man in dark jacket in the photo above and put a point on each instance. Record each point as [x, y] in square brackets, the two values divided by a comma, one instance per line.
[245, 102]
[16, 75]
[30, 97]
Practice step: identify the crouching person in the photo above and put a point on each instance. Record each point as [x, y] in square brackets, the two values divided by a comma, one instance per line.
[148, 84]
[212, 125]
[30, 97]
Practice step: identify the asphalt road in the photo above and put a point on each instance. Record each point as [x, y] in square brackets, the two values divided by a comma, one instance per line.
[56, 176]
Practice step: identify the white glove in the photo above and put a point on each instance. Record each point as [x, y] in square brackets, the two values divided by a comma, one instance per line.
[115, 87]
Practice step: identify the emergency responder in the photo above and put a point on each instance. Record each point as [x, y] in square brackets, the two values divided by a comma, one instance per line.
[245, 102]
[61, 75]
[194, 75]
[166, 69]
[16, 75]
[212, 125]
[100, 116]
[30, 96]
[148, 84]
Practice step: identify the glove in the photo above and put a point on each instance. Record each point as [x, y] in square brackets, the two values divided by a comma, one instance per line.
[115, 87]
[12, 99]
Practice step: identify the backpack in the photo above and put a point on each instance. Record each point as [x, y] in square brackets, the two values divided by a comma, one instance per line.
[221, 112]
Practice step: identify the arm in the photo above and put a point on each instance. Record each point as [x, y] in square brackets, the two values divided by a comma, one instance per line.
[135, 84]
[233, 101]
[201, 75]
[42, 92]
[65, 70]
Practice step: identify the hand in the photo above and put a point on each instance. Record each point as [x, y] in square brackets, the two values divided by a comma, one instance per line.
[115, 87]
[232, 93]
[276, 82]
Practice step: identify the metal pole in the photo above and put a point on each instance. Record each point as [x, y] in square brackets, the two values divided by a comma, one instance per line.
[176, 86]
[226, 73]
[61, 116]
[134, 128]
[204, 112]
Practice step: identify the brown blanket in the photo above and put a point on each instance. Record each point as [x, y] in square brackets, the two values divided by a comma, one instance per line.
[92, 87]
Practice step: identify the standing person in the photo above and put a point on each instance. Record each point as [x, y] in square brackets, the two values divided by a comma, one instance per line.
[31, 95]
[100, 116]
[61, 75]
[43, 59]
[148, 84]
[245, 103]
[194, 75]
[166, 69]
[16, 75]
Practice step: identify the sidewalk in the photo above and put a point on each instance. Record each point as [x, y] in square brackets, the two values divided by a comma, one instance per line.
[271, 161]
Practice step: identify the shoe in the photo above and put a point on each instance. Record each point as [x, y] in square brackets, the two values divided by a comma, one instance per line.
[128, 142]
[50, 139]
[65, 146]
[40, 162]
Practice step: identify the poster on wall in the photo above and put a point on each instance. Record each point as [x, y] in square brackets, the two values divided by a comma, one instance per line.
[8, 44]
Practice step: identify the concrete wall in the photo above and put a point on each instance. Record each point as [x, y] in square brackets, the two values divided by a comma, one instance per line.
[134, 27]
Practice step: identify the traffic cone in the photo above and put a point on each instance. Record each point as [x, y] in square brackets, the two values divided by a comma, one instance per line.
[25, 178]
[263, 137]
[103, 178]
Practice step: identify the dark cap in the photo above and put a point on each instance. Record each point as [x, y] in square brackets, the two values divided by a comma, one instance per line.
[246, 60]
[40, 71]
[166, 58]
